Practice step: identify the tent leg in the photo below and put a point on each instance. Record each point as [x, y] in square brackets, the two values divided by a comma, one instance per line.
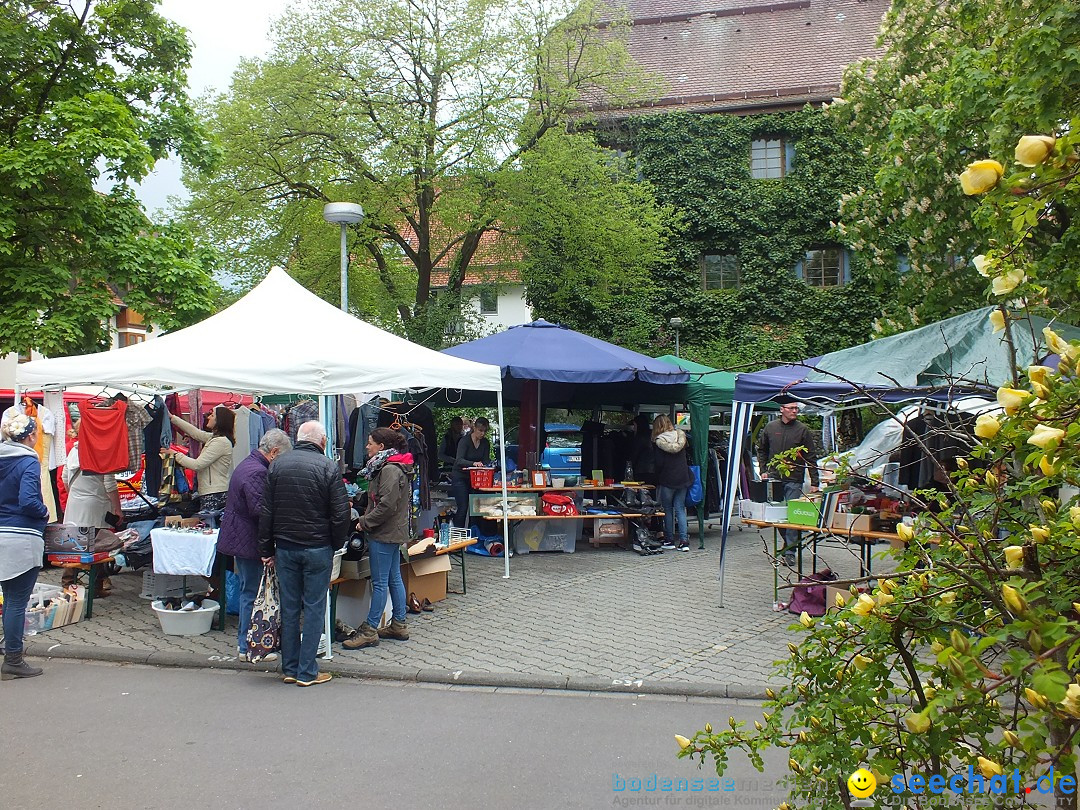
[502, 466]
[701, 525]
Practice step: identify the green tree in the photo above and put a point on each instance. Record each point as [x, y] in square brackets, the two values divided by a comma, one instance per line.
[412, 108]
[591, 237]
[967, 655]
[91, 92]
[957, 79]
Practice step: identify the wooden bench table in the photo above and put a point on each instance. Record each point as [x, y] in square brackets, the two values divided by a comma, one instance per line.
[92, 569]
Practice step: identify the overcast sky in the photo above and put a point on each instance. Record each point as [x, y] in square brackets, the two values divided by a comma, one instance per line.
[223, 32]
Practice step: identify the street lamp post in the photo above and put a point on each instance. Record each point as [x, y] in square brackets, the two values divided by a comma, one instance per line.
[344, 214]
[675, 324]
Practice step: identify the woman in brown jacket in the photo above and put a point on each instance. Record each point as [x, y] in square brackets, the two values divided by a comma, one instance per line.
[386, 523]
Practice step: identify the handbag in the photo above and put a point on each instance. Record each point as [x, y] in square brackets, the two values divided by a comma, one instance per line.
[695, 493]
[264, 636]
[809, 594]
[558, 505]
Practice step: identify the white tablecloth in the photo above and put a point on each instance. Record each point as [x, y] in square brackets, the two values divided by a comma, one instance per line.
[183, 553]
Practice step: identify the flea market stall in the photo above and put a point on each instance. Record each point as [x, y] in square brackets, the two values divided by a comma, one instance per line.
[278, 339]
[943, 361]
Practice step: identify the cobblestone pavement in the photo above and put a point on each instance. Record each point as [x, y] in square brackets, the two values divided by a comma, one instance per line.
[582, 620]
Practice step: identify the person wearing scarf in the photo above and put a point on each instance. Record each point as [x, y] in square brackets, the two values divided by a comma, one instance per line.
[386, 522]
[23, 515]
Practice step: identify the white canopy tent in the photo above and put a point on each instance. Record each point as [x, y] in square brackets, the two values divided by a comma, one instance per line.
[280, 338]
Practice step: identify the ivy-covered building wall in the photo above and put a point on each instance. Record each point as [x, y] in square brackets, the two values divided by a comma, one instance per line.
[760, 273]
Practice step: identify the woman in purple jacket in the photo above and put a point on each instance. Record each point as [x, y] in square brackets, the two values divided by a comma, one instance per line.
[239, 533]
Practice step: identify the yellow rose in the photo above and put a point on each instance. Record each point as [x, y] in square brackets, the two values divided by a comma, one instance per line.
[1074, 515]
[948, 597]
[1043, 436]
[805, 620]
[980, 176]
[683, 742]
[1014, 556]
[1007, 281]
[1031, 150]
[884, 599]
[1014, 601]
[982, 265]
[987, 426]
[1038, 374]
[905, 532]
[989, 768]
[1039, 533]
[917, 723]
[1012, 399]
[861, 662]
[1060, 347]
[997, 320]
[1048, 465]
[863, 606]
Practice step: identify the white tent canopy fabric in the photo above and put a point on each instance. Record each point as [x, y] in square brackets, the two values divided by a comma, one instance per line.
[279, 338]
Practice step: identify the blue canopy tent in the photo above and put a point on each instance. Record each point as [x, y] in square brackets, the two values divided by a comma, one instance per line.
[955, 357]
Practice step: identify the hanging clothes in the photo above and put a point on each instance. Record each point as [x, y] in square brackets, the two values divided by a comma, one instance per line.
[241, 435]
[421, 417]
[305, 410]
[195, 406]
[103, 440]
[137, 419]
[152, 446]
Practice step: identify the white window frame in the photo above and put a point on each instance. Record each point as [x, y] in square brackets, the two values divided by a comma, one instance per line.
[768, 158]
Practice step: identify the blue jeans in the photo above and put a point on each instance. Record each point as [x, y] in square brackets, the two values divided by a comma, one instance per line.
[304, 577]
[673, 502]
[16, 594]
[250, 574]
[385, 575]
[792, 492]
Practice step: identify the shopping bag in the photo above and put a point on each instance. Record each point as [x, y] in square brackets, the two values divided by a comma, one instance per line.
[558, 505]
[696, 493]
[264, 637]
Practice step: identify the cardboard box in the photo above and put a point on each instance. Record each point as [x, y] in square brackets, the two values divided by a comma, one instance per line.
[848, 522]
[775, 512]
[610, 528]
[69, 539]
[426, 578]
[356, 569]
[803, 512]
[354, 602]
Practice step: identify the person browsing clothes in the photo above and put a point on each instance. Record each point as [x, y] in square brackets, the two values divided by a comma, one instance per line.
[214, 464]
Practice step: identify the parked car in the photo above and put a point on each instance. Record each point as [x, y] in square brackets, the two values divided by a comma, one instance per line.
[562, 450]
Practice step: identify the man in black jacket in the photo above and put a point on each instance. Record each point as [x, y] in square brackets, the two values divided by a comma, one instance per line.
[305, 519]
[779, 436]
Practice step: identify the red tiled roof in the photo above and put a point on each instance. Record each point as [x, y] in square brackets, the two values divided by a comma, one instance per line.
[494, 260]
[731, 54]
[477, 275]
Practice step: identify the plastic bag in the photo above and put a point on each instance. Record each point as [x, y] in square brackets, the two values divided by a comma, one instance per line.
[695, 493]
[264, 637]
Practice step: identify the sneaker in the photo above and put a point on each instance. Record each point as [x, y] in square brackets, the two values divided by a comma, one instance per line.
[322, 677]
[241, 655]
[668, 543]
[790, 559]
[288, 679]
[683, 546]
[189, 605]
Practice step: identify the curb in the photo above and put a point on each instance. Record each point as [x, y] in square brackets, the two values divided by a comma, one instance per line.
[344, 667]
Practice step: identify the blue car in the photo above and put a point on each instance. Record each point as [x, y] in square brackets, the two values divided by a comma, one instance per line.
[562, 452]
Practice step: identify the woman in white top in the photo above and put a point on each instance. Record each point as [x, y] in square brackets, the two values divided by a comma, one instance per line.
[90, 496]
[214, 464]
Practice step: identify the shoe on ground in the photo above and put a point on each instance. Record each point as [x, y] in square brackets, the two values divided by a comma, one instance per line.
[16, 667]
[398, 631]
[683, 546]
[241, 655]
[365, 636]
[322, 677]
[790, 559]
[288, 679]
[668, 544]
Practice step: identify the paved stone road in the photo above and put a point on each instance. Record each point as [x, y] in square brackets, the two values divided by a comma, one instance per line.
[584, 620]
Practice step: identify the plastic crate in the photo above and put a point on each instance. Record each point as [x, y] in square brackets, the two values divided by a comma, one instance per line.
[161, 586]
[481, 477]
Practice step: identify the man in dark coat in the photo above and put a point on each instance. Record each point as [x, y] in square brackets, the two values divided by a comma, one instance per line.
[779, 436]
[305, 519]
[239, 534]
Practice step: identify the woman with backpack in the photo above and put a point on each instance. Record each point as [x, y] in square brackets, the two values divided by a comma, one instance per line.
[672, 472]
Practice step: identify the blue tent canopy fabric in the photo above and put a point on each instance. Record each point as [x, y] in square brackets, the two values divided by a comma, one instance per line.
[553, 353]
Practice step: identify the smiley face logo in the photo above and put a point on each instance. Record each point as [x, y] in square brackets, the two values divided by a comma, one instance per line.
[862, 783]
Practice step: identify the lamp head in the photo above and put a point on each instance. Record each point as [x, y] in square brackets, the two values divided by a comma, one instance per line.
[675, 322]
[343, 213]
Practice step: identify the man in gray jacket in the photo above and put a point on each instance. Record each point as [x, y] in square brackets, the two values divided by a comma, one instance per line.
[304, 520]
[779, 436]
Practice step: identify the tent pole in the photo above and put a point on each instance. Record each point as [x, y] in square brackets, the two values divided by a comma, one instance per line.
[502, 466]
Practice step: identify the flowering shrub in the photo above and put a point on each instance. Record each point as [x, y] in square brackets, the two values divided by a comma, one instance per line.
[968, 654]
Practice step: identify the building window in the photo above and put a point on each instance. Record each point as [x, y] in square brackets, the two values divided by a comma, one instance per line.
[824, 267]
[768, 158]
[25, 357]
[489, 302]
[720, 272]
[129, 339]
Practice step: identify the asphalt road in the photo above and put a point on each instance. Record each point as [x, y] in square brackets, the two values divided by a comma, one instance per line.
[89, 734]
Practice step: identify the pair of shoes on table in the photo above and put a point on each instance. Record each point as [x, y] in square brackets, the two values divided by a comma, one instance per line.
[322, 677]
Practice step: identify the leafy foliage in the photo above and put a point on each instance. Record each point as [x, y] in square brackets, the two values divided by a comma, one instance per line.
[89, 92]
[968, 655]
[700, 165]
[958, 79]
[415, 110]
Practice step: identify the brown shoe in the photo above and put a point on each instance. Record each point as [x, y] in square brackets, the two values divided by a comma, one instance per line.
[399, 631]
[365, 636]
[322, 677]
[288, 679]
